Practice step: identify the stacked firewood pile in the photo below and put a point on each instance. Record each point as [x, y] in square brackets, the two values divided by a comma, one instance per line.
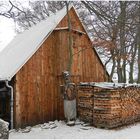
[130, 105]
[109, 108]
[85, 103]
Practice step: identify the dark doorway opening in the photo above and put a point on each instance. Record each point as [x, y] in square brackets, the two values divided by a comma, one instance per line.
[5, 103]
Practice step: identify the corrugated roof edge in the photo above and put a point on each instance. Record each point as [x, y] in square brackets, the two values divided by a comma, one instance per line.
[90, 40]
[12, 75]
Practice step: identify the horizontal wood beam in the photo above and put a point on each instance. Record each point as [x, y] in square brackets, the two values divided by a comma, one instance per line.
[66, 28]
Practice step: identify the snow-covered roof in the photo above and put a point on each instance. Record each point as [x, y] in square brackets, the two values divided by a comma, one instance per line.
[24, 45]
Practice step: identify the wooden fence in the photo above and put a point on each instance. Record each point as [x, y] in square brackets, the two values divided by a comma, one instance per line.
[109, 108]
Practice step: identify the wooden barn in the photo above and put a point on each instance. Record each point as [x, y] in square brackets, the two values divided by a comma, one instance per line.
[31, 67]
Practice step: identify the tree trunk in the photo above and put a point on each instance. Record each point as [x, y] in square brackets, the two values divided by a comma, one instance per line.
[119, 71]
[122, 21]
[69, 40]
[138, 63]
[113, 67]
[131, 64]
[131, 79]
[138, 43]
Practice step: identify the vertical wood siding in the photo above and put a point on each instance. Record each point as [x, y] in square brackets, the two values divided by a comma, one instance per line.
[37, 90]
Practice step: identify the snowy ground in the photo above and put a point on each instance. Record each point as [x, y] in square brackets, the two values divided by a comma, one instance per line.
[59, 130]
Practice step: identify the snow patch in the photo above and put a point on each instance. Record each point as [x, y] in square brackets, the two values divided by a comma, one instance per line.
[62, 131]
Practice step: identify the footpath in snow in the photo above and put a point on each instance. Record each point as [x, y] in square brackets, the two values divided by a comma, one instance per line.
[59, 130]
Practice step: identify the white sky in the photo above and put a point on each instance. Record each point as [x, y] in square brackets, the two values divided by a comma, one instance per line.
[7, 27]
[6, 31]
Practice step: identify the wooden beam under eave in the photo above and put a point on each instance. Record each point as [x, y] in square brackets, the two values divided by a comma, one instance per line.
[66, 28]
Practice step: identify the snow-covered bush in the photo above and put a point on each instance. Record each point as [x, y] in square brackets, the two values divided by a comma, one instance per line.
[4, 130]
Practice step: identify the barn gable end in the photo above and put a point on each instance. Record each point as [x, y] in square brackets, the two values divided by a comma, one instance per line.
[37, 96]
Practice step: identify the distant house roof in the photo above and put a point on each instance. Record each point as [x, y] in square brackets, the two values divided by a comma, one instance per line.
[24, 45]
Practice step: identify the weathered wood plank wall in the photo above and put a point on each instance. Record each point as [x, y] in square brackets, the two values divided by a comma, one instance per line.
[37, 89]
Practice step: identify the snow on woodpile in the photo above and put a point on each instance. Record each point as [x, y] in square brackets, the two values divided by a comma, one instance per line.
[107, 85]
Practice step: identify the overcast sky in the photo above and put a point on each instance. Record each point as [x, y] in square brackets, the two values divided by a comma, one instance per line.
[6, 31]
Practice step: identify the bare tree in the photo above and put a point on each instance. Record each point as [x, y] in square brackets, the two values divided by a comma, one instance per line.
[113, 24]
[25, 17]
